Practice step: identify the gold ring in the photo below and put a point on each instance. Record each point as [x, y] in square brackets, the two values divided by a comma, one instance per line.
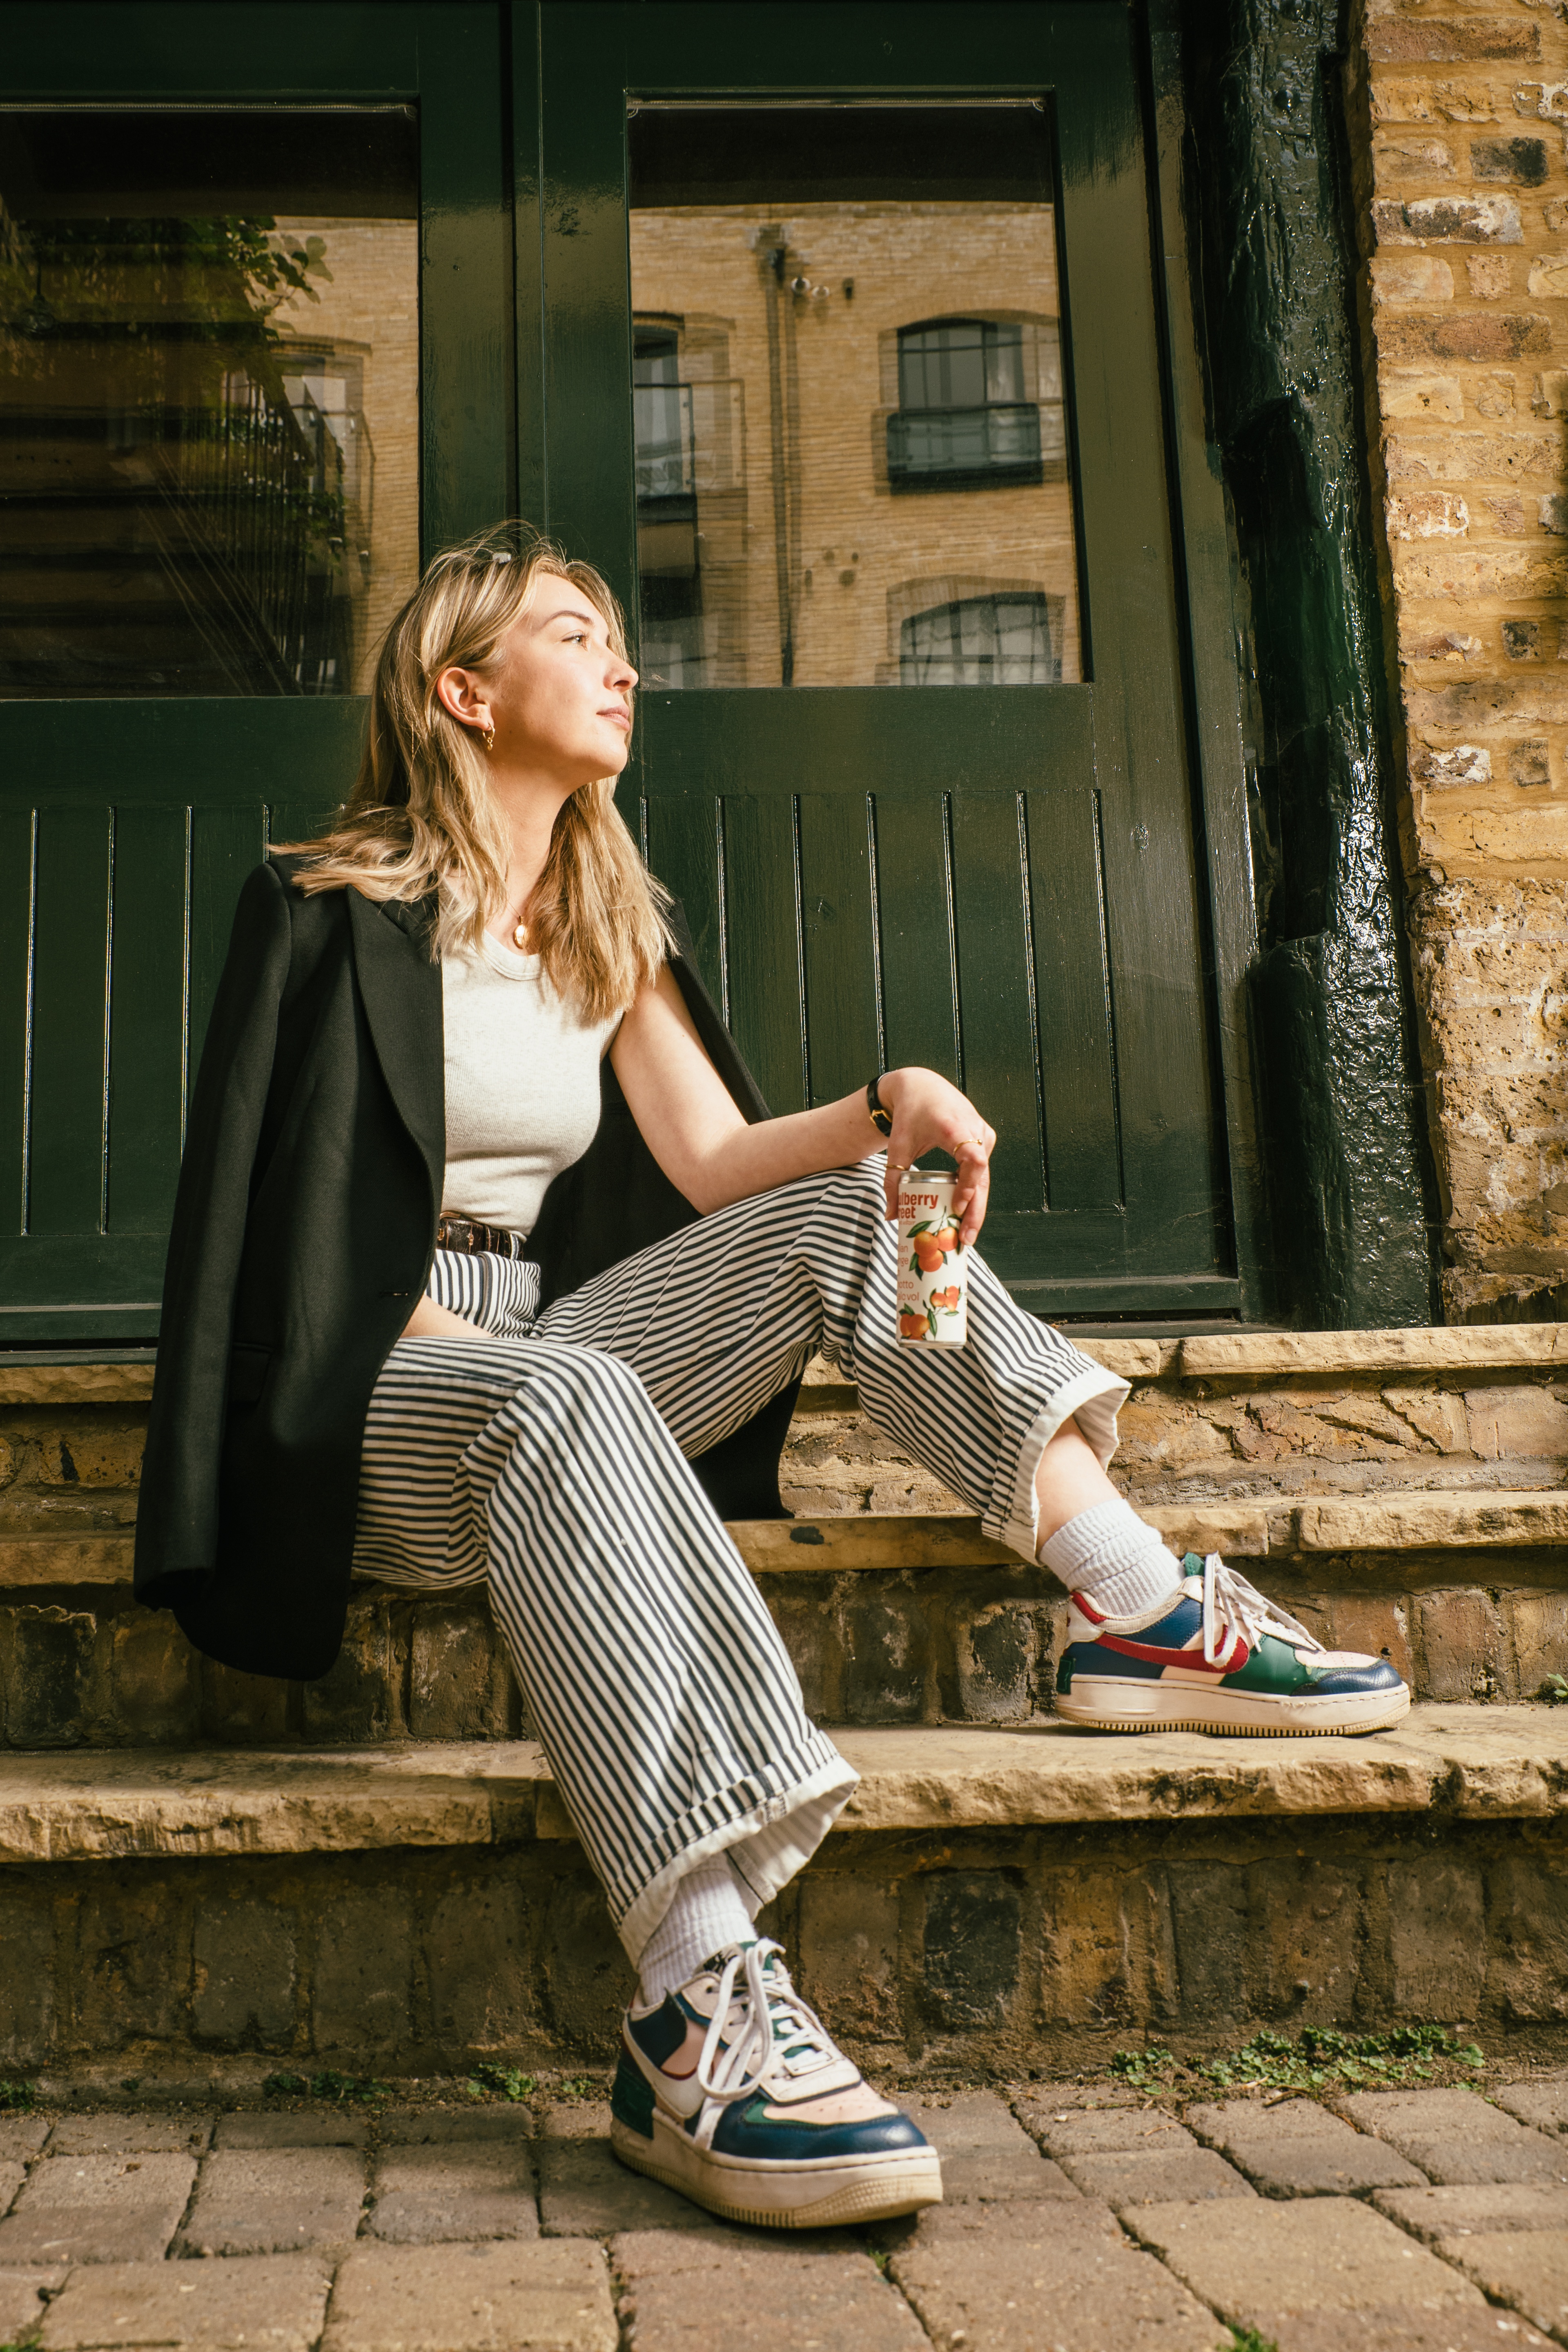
[903, 1166]
[978, 1142]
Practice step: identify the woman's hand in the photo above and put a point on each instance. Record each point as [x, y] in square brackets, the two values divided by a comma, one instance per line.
[929, 1115]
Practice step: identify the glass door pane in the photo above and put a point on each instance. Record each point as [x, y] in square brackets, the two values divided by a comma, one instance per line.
[209, 331]
[850, 433]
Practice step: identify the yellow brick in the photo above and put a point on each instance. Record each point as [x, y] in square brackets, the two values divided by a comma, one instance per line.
[1473, 458]
[1431, 102]
[1411, 278]
[1454, 836]
[1412, 392]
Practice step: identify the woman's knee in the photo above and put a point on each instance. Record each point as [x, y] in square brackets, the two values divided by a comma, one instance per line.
[590, 1376]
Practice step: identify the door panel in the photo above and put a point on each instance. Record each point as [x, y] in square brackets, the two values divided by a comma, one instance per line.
[997, 880]
[132, 822]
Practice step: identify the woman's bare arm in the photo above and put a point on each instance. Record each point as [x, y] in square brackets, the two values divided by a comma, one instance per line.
[705, 1147]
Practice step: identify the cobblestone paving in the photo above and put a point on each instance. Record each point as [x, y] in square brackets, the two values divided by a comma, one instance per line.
[1078, 2220]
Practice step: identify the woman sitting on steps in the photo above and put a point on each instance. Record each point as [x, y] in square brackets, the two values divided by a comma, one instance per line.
[428, 1316]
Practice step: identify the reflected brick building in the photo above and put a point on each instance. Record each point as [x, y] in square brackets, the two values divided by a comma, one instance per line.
[851, 448]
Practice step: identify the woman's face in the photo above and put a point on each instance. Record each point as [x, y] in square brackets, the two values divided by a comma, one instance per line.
[557, 695]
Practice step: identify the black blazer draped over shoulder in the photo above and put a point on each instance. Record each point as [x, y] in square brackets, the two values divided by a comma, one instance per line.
[303, 1232]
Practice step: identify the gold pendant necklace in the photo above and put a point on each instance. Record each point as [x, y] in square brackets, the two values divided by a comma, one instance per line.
[520, 938]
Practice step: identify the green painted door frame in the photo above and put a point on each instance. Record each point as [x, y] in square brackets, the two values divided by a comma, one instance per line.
[125, 829]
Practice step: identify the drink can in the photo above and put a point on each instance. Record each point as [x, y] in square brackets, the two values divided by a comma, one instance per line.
[933, 1273]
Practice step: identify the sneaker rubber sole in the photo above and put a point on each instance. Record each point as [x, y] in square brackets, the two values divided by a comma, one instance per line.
[1115, 1703]
[773, 2196]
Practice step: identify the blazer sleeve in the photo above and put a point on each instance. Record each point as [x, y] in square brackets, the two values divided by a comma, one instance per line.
[176, 1530]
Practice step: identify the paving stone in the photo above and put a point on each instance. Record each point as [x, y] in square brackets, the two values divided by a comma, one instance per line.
[549, 2296]
[1060, 2100]
[985, 2151]
[1259, 2261]
[1455, 2329]
[274, 2301]
[1455, 2136]
[1544, 2104]
[1105, 2131]
[1133, 2155]
[271, 2129]
[21, 2299]
[1154, 2176]
[1299, 2149]
[96, 2209]
[275, 2201]
[983, 2278]
[11, 2178]
[23, 2135]
[718, 2290]
[1483, 2206]
[584, 2191]
[435, 2125]
[112, 2135]
[456, 2188]
[1526, 2268]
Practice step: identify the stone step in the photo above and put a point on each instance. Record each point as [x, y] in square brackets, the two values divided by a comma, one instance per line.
[834, 1543]
[987, 1899]
[891, 1619]
[1493, 1764]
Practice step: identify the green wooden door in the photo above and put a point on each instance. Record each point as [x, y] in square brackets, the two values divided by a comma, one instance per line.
[134, 797]
[999, 880]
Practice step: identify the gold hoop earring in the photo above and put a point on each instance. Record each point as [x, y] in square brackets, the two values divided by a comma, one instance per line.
[487, 737]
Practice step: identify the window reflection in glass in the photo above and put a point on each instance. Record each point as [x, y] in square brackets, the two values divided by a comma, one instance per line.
[850, 439]
[982, 641]
[208, 398]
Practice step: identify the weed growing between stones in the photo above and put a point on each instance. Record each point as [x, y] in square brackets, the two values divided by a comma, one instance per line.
[1247, 2339]
[489, 2081]
[326, 2086]
[1313, 2061]
[1555, 1690]
[14, 2098]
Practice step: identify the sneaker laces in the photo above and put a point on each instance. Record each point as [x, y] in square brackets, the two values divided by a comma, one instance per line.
[772, 2013]
[1235, 1610]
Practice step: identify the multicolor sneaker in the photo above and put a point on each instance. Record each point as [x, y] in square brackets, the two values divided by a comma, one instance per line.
[731, 2091]
[1217, 1657]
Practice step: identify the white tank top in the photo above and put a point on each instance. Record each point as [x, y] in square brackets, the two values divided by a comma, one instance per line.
[523, 1085]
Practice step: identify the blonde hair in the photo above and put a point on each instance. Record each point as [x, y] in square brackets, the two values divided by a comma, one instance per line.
[421, 816]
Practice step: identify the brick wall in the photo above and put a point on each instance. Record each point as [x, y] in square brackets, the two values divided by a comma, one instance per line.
[1460, 122]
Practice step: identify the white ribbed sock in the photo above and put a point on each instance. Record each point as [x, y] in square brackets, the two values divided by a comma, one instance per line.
[708, 1912]
[1114, 1556]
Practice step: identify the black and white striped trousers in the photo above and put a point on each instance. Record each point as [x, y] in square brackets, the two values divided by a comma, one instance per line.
[548, 1458]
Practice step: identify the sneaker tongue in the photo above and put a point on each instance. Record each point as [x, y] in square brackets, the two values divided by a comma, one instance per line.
[716, 1962]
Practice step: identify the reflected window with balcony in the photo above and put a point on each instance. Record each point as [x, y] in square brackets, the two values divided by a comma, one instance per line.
[963, 420]
[664, 443]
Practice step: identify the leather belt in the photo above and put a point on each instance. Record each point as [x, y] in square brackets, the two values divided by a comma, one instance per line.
[463, 1234]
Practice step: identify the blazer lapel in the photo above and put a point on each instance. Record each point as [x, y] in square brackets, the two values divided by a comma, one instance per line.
[401, 990]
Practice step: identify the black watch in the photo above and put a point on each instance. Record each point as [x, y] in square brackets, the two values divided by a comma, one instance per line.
[881, 1116]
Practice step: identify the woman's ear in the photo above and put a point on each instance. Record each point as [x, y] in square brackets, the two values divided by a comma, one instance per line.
[462, 692]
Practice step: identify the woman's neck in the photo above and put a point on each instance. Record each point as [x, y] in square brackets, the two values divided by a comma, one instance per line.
[529, 806]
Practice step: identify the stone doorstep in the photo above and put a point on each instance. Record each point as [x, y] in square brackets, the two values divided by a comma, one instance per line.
[1494, 1763]
[1229, 1355]
[1281, 1528]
